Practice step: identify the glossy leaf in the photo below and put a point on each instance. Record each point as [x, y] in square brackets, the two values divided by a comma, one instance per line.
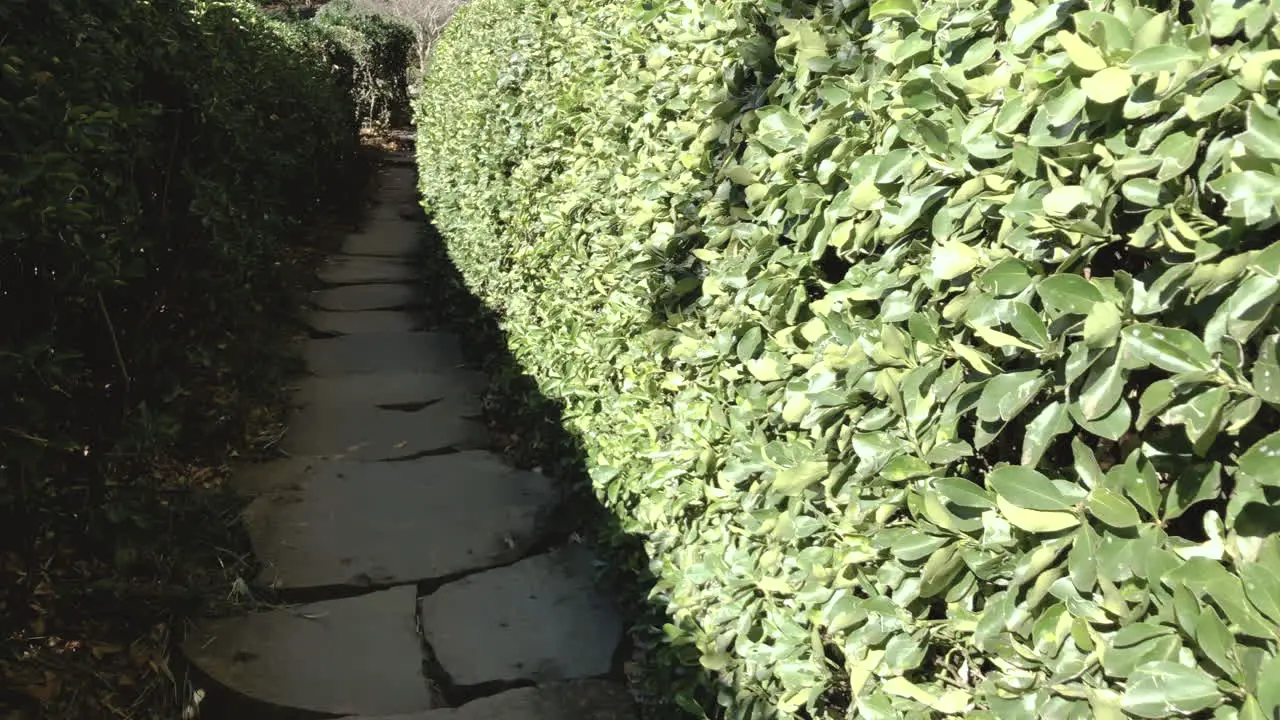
[1028, 489]
[1160, 689]
[1111, 508]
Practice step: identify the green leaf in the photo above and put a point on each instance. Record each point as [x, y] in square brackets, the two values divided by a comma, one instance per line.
[1161, 58]
[1104, 704]
[1082, 561]
[1029, 325]
[1102, 325]
[749, 343]
[1007, 277]
[1051, 422]
[1192, 484]
[893, 8]
[796, 479]
[903, 652]
[1268, 687]
[952, 259]
[1004, 396]
[779, 130]
[1177, 152]
[1061, 201]
[1136, 644]
[1213, 100]
[1112, 508]
[1161, 688]
[1082, 54]
[1203, 417]
[1262, 460]
[1263, 136]
[1108, 85]
[1102, 389]
[1029, 29]
[1267, 261]
[1158, 396]
[715, 661]
[766, 368]
[1026, 488]
[741, 175]
[1171, 349]
[1262, 588]
[1086, 465]
[910, 545]
[1250, 194]
[1207, 577]
[1037, 521]
[964, 493]
[1111, 426]
[1266, 370]
[1186, 609]
[1139, 480]
[1142, 191]
[1068, 293]
[1217, 643]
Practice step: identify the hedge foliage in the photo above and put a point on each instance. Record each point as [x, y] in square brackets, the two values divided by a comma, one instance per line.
[372, 54]
[931, 344]
[153, 155]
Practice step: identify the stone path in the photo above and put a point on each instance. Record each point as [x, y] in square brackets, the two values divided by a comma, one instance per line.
[388, 487]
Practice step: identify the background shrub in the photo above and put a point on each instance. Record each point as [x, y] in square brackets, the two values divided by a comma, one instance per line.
[153, 156]
[931, 345]
[371, 53]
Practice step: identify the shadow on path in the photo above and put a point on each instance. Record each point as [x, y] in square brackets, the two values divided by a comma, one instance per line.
[528, 428]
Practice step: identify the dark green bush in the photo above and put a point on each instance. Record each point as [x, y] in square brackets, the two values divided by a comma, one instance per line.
[153, 156]
[372, 53]
[931, 345]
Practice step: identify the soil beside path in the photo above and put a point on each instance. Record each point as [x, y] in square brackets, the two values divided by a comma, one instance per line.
[431, 589]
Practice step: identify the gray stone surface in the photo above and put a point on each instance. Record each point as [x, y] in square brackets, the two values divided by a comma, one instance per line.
[370, 433]
[383, 353]
[403, 390]
[358, 656]
[352, 298]
[356, 270]
[397, 184]
[360, 524]
[388, 234]
[579, 700]
[542, 619]
[351, 323]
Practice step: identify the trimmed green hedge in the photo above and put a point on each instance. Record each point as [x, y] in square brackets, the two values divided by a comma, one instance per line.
[371, 53]
[931, 345]
[153, 156]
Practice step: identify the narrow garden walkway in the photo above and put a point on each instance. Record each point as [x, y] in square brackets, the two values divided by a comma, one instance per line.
[434, 595]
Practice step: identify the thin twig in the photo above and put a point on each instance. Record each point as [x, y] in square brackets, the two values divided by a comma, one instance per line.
[115, 342]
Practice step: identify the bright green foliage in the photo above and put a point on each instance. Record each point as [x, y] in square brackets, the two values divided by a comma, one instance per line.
[152, 156]
[931, 345]
[371, 54]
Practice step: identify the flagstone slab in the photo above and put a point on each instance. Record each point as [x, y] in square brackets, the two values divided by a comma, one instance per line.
[355, 298]
[546, 615]
[393, 390]
[579, 700]
[357, 270]
[370, 433]
[356, 656]
[387, 234]
[372, 524]
[350, 323]
[383, 353]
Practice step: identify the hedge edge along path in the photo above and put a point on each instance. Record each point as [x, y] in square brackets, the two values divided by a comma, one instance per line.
[155, 158]
[931, 346]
